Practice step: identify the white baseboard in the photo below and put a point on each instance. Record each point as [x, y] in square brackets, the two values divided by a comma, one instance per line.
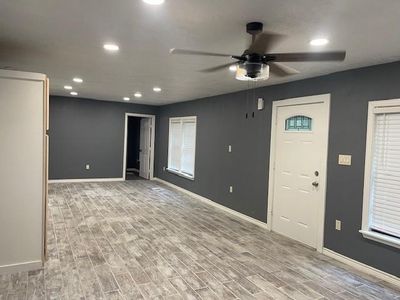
[85, 180]
[362, 267]
[212, 203]
[22, 267]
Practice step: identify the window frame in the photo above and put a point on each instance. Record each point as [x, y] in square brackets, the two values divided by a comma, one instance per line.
[174, 171]
[375, 108]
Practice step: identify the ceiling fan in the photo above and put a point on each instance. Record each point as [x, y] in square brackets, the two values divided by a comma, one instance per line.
[256, 62]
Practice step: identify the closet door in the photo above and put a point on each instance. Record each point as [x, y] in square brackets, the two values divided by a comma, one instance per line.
[22, 161]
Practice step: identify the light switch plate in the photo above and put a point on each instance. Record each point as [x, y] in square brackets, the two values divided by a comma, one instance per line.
[338, 225]
[229, 148]
[344, 160]
[260, 103]
[87, 167]
[231, 189]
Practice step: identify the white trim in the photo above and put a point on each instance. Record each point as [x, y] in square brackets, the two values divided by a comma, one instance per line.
[22, 267]
[152, 140]
[86, 180]
[190, 177]
[368, 165]
[382, 238]
[214, 204]
[325, 99]
[362, 267]
[181, 120]
[22, 75]
[374, 107]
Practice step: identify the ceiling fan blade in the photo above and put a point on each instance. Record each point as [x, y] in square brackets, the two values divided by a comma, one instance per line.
[218, 68]
[282, 70]
[309, 56]
[264, 42]
[195, 52]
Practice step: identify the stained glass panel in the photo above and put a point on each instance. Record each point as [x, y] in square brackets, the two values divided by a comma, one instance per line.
[298, 123]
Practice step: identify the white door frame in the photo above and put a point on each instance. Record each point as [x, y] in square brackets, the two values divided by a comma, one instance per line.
[325, 99]
[153, 126]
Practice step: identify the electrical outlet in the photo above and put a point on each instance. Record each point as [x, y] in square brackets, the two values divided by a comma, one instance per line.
[230, 148]
[338, 225]
[344, 160]
[87, 167]
[231, 189]
[163, 169]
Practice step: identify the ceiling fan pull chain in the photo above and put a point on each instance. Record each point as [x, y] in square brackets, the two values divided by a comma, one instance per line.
[247, 99]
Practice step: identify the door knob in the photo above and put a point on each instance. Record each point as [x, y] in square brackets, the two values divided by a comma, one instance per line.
[315, 183]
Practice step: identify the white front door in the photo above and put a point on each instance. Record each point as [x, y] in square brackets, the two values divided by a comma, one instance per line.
[301, 136]
[145, 147]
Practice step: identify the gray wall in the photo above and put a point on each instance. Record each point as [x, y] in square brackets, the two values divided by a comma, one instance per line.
[88, 131]
[221, 121]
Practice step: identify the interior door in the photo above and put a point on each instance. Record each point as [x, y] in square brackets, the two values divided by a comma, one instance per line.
[299, 178]
[145, 147]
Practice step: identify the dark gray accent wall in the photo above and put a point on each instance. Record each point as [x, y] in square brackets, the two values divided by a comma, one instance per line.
[84, 131]
[221, 122]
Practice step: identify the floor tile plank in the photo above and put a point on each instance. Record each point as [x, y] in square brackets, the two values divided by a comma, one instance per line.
[143, 240]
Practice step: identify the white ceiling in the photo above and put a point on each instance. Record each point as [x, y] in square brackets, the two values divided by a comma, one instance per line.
[64, 39]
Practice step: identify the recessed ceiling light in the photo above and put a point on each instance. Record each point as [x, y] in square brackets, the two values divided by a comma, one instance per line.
[157, 89]
[319, 42]
[78, 80]
[111, 47]
[67, 87]
[154, 2]
[126, 98]
[138, 95]
[74, 93]
[233, 68]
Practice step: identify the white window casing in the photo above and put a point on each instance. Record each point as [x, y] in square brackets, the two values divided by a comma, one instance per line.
[381, 207]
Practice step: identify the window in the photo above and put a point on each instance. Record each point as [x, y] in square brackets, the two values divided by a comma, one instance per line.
[298, 123]
[182, 146]
[381, 210]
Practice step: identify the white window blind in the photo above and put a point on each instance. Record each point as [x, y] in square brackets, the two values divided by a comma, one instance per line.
[188, 144]
[182, 144]
[385, 176]
[175, 145]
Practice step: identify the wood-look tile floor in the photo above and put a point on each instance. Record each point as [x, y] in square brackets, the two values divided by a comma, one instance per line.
[143, 240]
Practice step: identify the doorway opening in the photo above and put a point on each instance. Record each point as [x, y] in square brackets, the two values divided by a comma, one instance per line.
[139, 147]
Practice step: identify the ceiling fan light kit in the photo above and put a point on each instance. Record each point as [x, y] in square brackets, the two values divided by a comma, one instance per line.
[252, 72]
[256, 63]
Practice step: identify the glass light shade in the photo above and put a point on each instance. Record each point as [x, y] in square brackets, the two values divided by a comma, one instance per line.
[241, 73]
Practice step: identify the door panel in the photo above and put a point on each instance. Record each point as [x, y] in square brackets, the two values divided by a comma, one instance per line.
[144, 155]
[300, 152]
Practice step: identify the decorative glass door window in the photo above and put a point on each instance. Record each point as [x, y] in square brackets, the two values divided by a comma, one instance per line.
[298, 123]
